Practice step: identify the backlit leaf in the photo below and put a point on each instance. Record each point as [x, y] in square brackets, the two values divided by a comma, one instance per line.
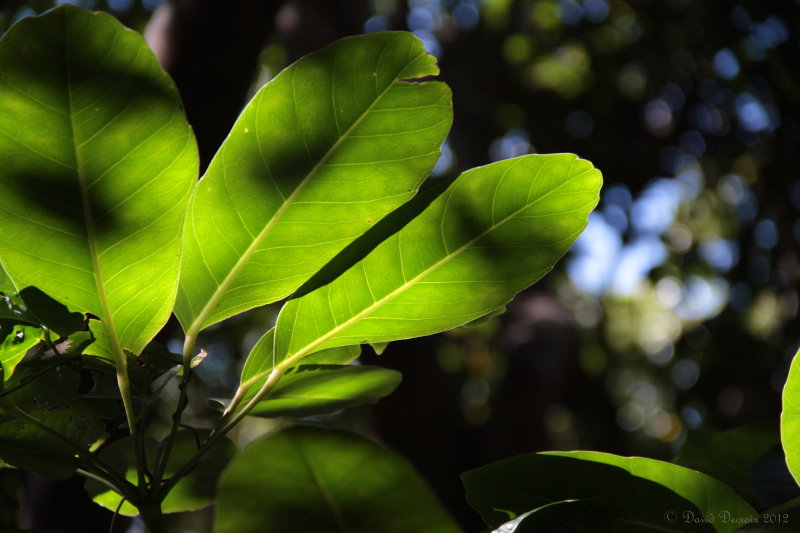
[326, 149]
[96, 166]
[496, 230]
[790, 418]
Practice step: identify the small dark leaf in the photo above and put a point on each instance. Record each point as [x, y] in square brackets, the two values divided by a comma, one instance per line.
[51, 395]
[51, 313]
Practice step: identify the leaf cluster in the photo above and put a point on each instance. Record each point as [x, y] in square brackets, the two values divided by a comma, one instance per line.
[311, 200]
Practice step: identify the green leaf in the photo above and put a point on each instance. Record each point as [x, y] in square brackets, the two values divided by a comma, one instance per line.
[260, 361]
[51, 394]
[653, 494]
[195, 491]
[314, 389]
[101, 344]
[326, 149]
[15, 341]
[496, 230]
[728, 455]
[321, 481]
[790, 418]
[97, 164]
[51, 313]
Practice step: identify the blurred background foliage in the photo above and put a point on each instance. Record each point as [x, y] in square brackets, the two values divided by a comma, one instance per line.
[676, 309]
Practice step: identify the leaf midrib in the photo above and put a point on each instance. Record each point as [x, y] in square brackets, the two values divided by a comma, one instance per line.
[91, 236]
[292, 359]
[223, 287]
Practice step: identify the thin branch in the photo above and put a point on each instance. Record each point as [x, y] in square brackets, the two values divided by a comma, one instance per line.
[116, 514]
[224, 426]
[183, 402]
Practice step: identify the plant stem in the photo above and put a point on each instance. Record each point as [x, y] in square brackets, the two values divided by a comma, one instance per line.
[116, 514]
[123, 382]
[100, 479]
[223, 427]
[124, 385]
[152, 517]
[268, 385]
[183, 402]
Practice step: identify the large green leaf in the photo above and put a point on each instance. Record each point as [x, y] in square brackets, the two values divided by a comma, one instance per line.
[317, 389]
[729, 456]
[651, 494]
[327, 148]
[496, 230]
[97, 164]
[790, 418]
[195, 491]
[321, 481]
